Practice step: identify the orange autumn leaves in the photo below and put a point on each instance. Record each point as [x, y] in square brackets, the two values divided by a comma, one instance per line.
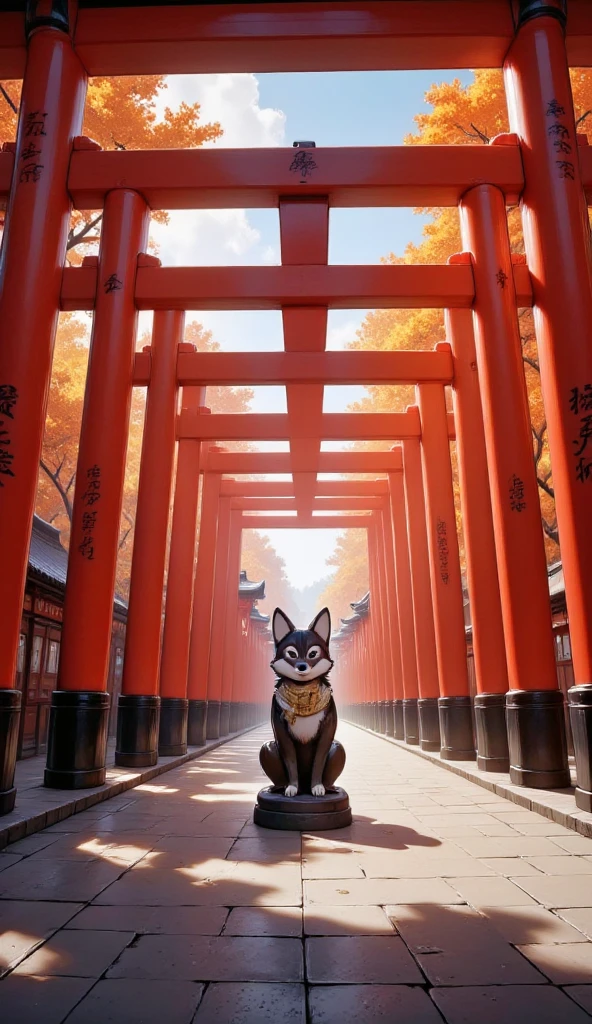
[460, 115]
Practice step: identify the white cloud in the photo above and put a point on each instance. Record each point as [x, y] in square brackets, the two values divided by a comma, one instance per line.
[233, 100]
[219, 237]
[339, 335]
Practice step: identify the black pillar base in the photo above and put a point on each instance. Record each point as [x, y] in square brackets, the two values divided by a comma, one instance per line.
[411, 720]
[456, 729]
[492, 732]
[382, 717]
[234, 717]
[429, 723]
[580, 713]
[399, 726]
[172, 734]
[77, 739]
[213, 720]
[137, 731]
[225, 718]
[10, 713]
[536, 739]
[196, 723]
[390, 719]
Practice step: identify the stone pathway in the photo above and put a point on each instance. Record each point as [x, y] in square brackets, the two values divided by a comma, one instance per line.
[167, 904]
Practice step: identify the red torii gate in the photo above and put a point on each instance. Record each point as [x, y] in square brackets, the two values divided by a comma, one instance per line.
[416, 638]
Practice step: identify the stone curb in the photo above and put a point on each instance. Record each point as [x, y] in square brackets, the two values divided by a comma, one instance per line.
[19, 824]
[557, 805]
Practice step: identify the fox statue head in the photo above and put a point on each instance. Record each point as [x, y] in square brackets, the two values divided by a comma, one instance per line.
[301, 654]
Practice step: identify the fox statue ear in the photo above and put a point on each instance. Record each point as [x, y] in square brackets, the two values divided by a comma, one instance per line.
[321, 625]
[281, 626]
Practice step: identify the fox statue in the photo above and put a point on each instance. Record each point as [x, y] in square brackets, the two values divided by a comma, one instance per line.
[304, 757]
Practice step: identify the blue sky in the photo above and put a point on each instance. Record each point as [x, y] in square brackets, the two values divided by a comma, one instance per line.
[333, 109]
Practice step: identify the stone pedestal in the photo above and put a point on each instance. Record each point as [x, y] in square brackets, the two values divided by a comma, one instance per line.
[580, 713]
[302, 813]
[492, 733]
[536, 739]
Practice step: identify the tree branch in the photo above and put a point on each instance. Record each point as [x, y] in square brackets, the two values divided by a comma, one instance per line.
[580, 120]
[54, 477]
[10, 102]
[75, 239]
[550, 530]
[475, 134]
[531, 362]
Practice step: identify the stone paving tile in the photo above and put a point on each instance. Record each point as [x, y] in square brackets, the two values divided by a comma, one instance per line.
[8, 859]
[573, 844]
[123, 1001]
[529, 1004]
[224, 958]
[513, 866]
[493, 892]
[76, 954]
[562, 865]
[504, 846]
[23, 925]
[524, 925]
[379, 891]
[456, 946]
[582, 994]
[59, 880]
[29, 1000]
[580, 918]
[264, 921]
[151, 920]
[177, 873]
[325, 920]
[392, 866]
[360, 959]
[370, 1004]
[563, 964]
[558, 891]
[252, 1004]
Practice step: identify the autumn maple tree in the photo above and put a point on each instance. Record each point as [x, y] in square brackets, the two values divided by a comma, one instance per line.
[120, 113]
[262, 562]
[460, 115]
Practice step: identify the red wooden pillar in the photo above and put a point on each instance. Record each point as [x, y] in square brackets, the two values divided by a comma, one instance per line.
[454, 703]
[203, 594]
[80, 707]
[475, 502]
[138, 712]
[375, 631]
[557, 242]
[381, 610]
[534, 705]
[411, 722]
[423, 609]
[34, 248]
[231, 696]
[217, 633]
[395, 692]
[174, 661]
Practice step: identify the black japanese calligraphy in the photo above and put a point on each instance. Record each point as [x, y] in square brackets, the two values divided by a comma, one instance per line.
[91, 496]
[86, 548]
[8, 400]
[554, 109]
[562, 143]
[30, 151]
[580, 405]
[31, 172]
[35, 123]
[580, 399]
[113, 284]
[501, 278]
[516, 490]
[303, 163]
[442, 541]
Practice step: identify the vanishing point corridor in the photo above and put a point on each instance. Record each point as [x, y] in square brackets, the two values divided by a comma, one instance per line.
[166, 904]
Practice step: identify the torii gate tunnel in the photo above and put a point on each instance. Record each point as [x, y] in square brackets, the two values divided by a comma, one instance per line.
[401, 665]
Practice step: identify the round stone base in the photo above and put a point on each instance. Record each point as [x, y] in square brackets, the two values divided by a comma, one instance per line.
[302, 813]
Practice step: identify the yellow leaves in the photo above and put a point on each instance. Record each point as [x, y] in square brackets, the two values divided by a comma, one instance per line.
[350, 581]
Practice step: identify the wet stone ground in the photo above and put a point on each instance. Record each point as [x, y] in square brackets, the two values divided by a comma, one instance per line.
[166, 904]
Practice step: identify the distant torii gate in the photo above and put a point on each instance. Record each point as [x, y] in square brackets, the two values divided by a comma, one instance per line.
[412, 658]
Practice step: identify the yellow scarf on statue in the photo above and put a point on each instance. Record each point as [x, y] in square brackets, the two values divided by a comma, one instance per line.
[300, 701]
